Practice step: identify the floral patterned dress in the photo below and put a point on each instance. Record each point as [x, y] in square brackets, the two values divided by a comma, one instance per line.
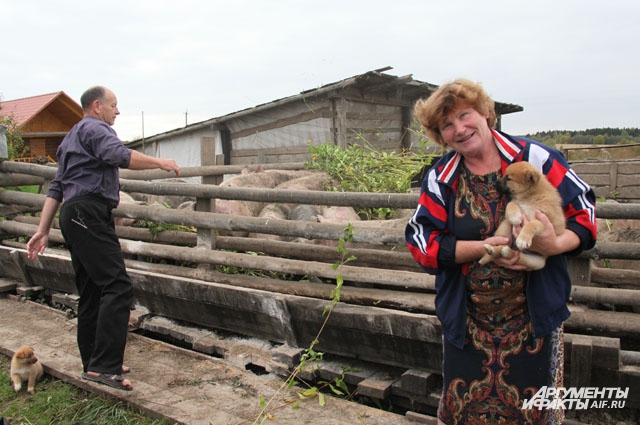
[502, 362]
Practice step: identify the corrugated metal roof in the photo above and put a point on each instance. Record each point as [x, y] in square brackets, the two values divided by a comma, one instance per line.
[376, 81]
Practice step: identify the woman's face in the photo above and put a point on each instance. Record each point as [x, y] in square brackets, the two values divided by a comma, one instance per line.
[465, 130]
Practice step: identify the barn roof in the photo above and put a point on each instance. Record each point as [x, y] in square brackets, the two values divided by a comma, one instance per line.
[403, 89]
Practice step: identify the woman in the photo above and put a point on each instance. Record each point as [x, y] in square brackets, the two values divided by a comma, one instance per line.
[501, 323]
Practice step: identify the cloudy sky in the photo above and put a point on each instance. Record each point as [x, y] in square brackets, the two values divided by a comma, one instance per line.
[572, 64]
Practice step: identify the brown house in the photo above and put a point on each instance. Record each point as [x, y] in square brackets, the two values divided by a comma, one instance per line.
[43, 121]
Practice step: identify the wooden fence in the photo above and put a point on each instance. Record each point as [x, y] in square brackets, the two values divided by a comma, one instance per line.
[611, 179]
[385, 319]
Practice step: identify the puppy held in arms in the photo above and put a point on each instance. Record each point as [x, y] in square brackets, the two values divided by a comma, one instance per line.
[25, 366]
[530, 191]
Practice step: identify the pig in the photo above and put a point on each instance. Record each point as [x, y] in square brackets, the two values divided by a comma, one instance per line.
[125, 198]
[315, 181]
[262, 179]
[338, 215]
[304, 213]
[274, 212]
[232, 207]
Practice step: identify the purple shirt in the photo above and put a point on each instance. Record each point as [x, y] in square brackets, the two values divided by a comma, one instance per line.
[88, 161]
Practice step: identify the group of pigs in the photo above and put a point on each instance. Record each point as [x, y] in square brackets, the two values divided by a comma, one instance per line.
[268, 179]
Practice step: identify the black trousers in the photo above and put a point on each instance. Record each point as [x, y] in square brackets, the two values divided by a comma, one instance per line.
[104, 287]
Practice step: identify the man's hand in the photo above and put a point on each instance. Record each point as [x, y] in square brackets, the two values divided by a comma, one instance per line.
[37, 245]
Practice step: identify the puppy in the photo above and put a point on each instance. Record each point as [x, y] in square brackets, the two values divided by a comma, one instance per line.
[25, 366]
[530, 191]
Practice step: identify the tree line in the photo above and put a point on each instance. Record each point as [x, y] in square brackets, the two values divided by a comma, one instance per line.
[594, 136]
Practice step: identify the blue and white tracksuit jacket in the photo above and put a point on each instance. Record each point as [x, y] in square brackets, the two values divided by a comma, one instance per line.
[431, 241]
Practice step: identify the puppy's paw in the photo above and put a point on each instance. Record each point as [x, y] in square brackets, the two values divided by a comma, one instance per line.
[491, 254]
[507, 252]
[17, 386]
[491, 250]
[523, 242]
[516, 218]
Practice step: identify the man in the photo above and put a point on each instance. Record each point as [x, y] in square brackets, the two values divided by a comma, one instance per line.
[87, 180]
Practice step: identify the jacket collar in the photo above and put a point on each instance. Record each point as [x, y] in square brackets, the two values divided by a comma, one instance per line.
[508, 147]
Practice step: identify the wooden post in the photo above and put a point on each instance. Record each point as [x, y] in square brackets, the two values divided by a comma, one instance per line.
[207, 237]
[581, 358]
[580, 271]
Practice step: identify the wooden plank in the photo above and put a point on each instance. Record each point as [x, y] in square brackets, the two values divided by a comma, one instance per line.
[370, 334]
[282, 122]
[302, 149]
[414, 302]
[421, 419]
[8, 268]
[590, 294]
[376, 386]
[616, 277]
[245, 311]
[611, 323]
[373, 116]
[271, 159]
[26, 278]
[579, 270]
[53, 272]
[420, 382]
[7, 285]
[351, 371]
[606, 351]
[581, 353]
[624, 378]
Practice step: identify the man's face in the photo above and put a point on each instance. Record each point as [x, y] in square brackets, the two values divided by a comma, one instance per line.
[108, 110]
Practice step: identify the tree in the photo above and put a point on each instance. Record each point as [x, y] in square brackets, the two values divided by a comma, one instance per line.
[15, 145]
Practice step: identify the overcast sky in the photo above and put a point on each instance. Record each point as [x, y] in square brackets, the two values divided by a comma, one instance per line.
[572, 64]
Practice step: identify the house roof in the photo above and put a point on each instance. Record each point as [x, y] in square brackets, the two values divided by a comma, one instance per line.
[26, 109]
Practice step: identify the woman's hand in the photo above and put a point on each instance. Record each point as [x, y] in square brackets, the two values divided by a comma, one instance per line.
[546, 243]
[510, 263]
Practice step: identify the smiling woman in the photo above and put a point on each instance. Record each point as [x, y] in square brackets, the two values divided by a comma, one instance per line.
[501, 321]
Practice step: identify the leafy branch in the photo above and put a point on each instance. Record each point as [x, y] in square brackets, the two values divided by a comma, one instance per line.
[337, 386]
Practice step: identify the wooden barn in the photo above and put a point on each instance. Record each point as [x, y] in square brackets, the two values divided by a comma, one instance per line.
[373, 108]
[43, 121]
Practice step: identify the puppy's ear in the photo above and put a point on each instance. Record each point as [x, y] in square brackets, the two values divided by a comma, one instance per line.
[532, 177]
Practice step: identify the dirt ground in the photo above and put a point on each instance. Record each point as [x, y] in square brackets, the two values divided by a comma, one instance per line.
[195, 389]
[170, 382]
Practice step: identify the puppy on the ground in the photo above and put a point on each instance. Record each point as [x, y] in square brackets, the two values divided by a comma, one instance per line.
[530, 191]
[25, 366]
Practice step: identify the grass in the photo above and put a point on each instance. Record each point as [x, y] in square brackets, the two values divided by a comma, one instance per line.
[56, 402]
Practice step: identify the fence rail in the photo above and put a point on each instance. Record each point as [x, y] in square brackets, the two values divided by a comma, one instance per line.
[387, 303]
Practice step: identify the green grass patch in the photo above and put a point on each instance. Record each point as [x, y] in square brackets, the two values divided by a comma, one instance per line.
[56, 402]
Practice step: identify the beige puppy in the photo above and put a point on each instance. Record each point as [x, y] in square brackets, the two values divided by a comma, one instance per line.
[530, 191]
[25, 366]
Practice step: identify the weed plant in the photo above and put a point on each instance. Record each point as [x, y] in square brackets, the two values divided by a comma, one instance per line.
[362, 168]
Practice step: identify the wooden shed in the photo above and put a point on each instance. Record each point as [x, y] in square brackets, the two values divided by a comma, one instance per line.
[373, 108]
[43, 121]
